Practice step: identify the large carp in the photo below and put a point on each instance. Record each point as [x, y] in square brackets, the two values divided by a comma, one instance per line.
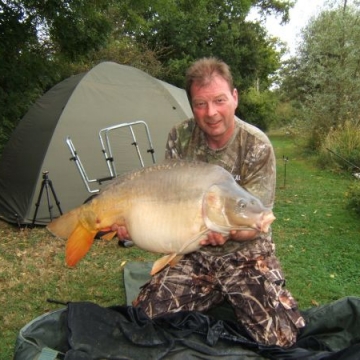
[167, 208]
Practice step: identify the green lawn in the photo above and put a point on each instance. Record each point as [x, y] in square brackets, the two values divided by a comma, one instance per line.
[317, 237]
[318, 243]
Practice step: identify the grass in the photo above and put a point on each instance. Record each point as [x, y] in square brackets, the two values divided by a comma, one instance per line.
[317, 237]
[317, 241]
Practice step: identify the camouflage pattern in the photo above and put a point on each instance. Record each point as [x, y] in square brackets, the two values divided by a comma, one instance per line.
[248, 155]
[246, 274]
[253, 287]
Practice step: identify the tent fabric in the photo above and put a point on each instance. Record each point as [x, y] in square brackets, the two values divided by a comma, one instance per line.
[85, 330]
[79, 107]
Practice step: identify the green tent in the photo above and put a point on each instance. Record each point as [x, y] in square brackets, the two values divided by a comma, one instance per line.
[78, 108]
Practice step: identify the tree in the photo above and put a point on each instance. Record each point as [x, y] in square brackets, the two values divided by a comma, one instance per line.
[39, 41]
[187, 30]
[42, 42]
[259, 108]
[325, 76]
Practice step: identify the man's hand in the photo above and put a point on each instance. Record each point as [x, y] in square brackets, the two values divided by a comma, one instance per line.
[243, 235]
[215, 238]
[121, 232]
[122, 235]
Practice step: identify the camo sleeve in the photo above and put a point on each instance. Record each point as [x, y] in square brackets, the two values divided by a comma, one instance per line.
[171, 150]
[258, 169]
[179, 137]
[249, 155]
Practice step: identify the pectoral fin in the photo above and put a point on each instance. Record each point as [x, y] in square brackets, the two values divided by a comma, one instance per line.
[175, 260]
[171, 259]
[108, 236]
[78, 244]
[214, 214]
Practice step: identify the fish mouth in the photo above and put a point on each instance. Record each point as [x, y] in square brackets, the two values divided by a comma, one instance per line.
[262, 225]
[265, 222]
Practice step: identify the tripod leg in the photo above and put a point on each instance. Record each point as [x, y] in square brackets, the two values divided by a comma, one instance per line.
[37, 204]
[55, 197]
[48, 199]
[46, 184]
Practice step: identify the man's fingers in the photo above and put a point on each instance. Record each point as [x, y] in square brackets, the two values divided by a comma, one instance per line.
[214, 239]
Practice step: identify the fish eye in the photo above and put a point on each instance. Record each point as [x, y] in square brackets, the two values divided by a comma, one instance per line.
[241, 204]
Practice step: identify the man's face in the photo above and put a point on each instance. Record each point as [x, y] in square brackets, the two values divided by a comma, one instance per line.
[214, 107]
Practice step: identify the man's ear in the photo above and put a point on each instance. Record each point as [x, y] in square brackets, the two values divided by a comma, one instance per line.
[236, 96]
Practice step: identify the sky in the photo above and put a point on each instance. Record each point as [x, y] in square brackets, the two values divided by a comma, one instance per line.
[300, 14]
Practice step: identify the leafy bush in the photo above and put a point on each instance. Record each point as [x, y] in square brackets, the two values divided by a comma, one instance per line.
[341, 151]
[257, 108]
[341, 148]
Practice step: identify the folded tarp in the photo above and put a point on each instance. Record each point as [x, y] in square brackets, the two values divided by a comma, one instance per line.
[85, 330]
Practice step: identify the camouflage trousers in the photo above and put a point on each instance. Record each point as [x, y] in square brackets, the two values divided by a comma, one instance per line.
[254, 288]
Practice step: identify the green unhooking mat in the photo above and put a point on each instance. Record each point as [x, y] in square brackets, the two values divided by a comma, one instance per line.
[87, 331]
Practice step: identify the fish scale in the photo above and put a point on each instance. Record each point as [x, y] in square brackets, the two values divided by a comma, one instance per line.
[167, 208]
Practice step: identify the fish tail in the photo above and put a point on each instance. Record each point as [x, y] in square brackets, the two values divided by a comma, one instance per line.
[78, 244]
[64, 225]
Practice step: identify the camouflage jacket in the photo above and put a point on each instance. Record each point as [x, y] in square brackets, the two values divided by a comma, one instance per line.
[248, 156]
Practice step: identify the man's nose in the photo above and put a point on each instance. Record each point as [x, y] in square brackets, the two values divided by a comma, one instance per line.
[211, 109]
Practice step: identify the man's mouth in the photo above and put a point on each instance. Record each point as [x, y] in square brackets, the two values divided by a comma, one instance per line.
[213, 123]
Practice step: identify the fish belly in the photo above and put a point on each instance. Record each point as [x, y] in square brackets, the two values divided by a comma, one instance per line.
[165, 228]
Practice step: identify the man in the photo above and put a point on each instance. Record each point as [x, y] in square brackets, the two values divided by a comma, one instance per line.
[243, 269]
